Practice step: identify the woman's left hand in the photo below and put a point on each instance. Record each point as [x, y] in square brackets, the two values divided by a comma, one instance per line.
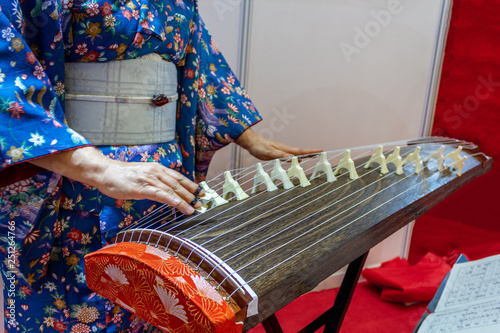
[265, 149]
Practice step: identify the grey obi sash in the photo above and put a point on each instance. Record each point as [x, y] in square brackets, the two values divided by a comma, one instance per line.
[128, 102]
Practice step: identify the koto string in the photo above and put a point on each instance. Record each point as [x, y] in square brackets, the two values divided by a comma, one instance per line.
[190, 218]
[159, 211]
[253, 196]
[333, 151]
[187, 219]
[150, 216]
[145, 219]
[264, 213]
[243, 169]
[235, 206]
[237, 215]
[221, 212]
[325, 237]
[227, 220]
[313, 228]
[155, 215]
[298, 222]
[248, 222]
[330, 233]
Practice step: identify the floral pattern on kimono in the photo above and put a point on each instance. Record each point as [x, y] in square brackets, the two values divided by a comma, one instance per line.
[48, 222]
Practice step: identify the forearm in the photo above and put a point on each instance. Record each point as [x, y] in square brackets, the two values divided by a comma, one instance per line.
[86, 164]
[124, 180]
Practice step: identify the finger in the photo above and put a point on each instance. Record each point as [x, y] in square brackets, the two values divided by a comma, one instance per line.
[168, 197]
[174, 188]
[299, 151]
[281, 156]
[156, 180]
[310, 151]
[188, 184]
[286, 148]
[200, 192]
[181, 186]
[303, 153]
[182, 180]
[274, 153]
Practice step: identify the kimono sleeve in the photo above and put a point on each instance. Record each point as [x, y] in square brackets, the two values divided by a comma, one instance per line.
[31, 116]
[223, 108]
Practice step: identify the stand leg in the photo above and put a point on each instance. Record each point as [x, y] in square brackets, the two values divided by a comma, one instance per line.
[333, 317]
[272, 325]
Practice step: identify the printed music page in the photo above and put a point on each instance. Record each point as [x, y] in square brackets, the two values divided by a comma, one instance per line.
[470, 302]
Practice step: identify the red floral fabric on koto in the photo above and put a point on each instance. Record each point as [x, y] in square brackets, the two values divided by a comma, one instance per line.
[158, 288]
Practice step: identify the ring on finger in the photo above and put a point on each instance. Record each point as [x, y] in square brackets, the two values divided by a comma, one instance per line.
[195, 200]
[198, 190]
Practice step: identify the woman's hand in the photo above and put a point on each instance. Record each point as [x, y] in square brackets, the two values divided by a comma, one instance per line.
[122, 180]
[265, 149]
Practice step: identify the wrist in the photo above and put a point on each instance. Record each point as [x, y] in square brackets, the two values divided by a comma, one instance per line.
[246, 138]
[88, 166]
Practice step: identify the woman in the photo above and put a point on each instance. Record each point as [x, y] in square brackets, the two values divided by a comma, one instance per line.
[62, 197]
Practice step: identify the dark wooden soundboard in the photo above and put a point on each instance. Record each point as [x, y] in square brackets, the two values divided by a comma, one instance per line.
[347, 221]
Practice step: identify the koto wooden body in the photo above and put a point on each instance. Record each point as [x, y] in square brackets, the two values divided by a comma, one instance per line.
[283, 243]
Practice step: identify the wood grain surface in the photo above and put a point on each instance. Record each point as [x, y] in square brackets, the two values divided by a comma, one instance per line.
[283, 243]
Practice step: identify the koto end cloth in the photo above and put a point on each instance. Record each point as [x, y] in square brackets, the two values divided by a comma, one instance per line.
[158, 288]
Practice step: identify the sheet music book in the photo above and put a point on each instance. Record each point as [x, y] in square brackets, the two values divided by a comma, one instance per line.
[468, 300]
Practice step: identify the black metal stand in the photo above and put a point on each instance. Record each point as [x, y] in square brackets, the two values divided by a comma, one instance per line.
[333, 317]
[272, 325]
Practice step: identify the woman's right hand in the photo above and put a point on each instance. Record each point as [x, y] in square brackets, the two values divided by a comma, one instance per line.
[121, 180]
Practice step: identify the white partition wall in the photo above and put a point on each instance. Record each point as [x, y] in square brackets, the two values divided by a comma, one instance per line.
[224, 21]
[346, 73]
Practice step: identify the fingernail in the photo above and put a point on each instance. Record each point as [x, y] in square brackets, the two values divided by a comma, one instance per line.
[197, 204]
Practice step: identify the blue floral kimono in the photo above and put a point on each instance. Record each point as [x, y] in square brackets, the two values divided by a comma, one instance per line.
[48, 222]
